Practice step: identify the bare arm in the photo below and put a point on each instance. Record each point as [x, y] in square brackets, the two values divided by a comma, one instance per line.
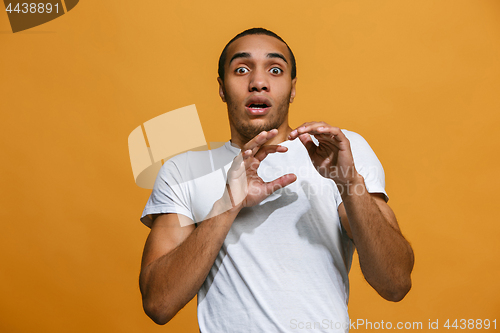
[385, 257]
[177, 259]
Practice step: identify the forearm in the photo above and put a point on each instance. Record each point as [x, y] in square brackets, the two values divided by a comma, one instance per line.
[385, 257]
[171, 281]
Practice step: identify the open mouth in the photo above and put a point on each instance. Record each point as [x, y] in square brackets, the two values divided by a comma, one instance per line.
[258, 109]
[258, 105]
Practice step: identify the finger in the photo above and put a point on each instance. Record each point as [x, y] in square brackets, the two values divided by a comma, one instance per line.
[246, 154]
[325, 133]
[237, 162]
[260, 139]
[238, 166]
[326, 138]
[317, 128]
[334, 131]
[333, 135]
[323, 128]
[280, 182]
[308, 143]
[294, 133]
[244, 169]
[243, 162]
[252, 166]
[305, 128]
[266, 150]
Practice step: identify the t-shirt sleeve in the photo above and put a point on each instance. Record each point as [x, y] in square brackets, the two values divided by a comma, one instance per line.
[367, 164]
[170, 193]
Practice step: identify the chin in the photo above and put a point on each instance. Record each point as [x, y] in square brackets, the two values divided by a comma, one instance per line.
[250, 129]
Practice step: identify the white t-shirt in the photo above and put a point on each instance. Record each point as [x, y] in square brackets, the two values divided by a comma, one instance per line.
[284, 264]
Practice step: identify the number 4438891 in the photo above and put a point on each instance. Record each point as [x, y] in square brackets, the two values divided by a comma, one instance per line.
[33, 8]
[470, 324]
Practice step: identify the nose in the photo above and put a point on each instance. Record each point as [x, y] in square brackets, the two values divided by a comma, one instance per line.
[258, 81]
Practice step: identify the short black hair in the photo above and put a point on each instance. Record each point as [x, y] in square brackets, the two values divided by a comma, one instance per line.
[254, 31]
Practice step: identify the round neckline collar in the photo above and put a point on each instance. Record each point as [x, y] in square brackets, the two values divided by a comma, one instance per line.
[236, 150]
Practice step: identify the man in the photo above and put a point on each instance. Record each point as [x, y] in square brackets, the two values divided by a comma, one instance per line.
[267, 244]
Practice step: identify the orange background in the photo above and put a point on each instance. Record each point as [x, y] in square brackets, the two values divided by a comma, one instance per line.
[420, 80]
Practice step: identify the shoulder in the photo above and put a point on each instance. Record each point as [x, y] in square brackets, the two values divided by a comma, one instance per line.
[354, 138]
[175, 165]
[184, 159]
[193, 163]
[367, 163]
[363, 154]
[359, 145]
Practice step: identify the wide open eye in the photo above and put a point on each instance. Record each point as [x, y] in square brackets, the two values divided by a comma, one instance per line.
[276, 70]
[241, 70]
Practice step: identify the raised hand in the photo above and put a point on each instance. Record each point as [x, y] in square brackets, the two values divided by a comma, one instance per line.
[332, 157]
[244, 185]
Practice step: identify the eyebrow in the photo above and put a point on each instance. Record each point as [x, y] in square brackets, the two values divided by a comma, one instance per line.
[248, 55]
[277, 55]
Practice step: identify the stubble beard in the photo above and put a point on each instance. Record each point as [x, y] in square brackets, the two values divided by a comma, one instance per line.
[249, 131]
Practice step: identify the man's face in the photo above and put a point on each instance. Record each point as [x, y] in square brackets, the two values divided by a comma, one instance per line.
[257, 85]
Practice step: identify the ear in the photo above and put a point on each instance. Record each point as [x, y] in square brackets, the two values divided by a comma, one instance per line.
[221, 89]
[292, 92]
